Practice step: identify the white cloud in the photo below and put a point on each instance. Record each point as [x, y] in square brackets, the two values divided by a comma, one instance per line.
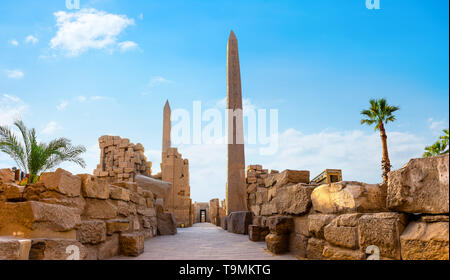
[127, 45]
[30, 39]
[436, 126]
[51, 127]
[158, 80]
[81, 98]
[62, 106]
[14, 42]
[11, 109]
[141, 16]
[14, 74]
[87, 29]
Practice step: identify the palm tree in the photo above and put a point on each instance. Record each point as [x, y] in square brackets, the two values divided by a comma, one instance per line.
[438, 148]
[33, 157]
[380, 113]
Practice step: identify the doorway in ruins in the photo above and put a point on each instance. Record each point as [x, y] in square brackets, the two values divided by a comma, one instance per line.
[203, 216]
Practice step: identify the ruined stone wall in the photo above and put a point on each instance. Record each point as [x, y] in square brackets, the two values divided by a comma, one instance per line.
[406, 219]
[102, 219]
[197, 206]
[175, 170]
[121, 160]
[214, 208]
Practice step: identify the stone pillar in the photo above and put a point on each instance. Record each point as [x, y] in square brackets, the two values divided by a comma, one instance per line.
[235, 192]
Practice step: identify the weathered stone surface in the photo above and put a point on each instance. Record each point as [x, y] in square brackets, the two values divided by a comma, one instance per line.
[425, 241]
[421, 186]
[434, 219]
[298, 244]
[104, 250]
[280, 224]
[257, 233]
[301, 225]
[118, 193]
[124, 209]
[382, 230]
[57, 249]
[287, 177]
[6, 176]
[99, 209]
[166, 222]
[63, 182]
[349, 197]
[334, 253]
[238, 222]
[294, 200]
[159, 188]
[317, 223]
[14, 248]
[35, 219]
[315, 248]
[117, 226]
[277, 244]
[224, 223]
[342, 236]
[131, 244]
[13, 192]
[93, 187]
[139, 200]
[269, 208]
[92, 232]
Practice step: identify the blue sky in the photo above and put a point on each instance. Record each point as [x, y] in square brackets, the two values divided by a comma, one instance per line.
[317, 62]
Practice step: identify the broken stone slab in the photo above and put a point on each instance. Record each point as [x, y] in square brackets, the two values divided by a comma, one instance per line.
[167, 225]
[257, 233]
[57, 249]
[335, 253]
[349, 197]
[94, 187]
[287, 177]
[14, 248]
[425, 241]
[63, 182]
[280, 224]
[293, 200]
[131, 244]
[36, 219]
[382, 230]
[421, 186]
[159, 188]
[239, 221]
[91, 232]
[277, 244]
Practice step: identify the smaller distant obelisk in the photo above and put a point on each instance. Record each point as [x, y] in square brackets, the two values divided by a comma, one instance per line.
[167, 127]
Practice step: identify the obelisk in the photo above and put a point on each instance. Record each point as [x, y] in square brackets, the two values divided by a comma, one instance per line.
[236, 189]
[167, 127]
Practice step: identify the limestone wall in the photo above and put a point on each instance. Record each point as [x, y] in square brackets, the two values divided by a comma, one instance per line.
[197, 206]
[121, 160]
[175, 170]
[406, 219]
[101, 219]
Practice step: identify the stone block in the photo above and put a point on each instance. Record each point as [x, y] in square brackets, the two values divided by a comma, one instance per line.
[425, 241]
[13, 192]
[298, 244]
[421, 186]
[341, 236]
[118, 193]
[293, 200]
[35, 219]
[14, 248]
[277, 244]
[63, 182]
[315, 248]
[224, 223]
[239, 221]
[131, 244]
[93, 187]
[167, 224]
[382, 230]
[91, 232]
[288, 177]
[280, 224]
[99, 209]
[6, 176]
[301, 225]
[317, 223]
[257, 233]
[335, 253]
[349, 197]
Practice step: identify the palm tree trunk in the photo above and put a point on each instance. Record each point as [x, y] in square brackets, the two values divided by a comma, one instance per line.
[385, 163]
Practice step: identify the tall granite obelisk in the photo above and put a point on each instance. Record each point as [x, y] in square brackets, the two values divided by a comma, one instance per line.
[167, 127]
[236, 188]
